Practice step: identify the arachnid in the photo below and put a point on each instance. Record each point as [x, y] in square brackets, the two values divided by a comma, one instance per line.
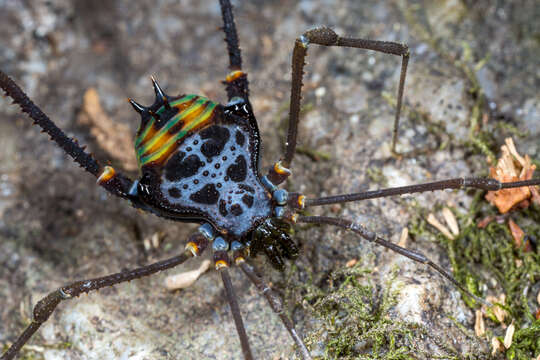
[236, 108]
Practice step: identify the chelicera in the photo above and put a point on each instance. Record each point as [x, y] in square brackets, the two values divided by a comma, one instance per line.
[199, 162]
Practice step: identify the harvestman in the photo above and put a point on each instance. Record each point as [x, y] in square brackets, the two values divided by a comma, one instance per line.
[199, 163]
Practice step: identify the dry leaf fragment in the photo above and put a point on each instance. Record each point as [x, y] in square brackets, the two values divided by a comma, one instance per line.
[485, 222]
[403, 237]
[518, 235]
[509, 335]
[509, 142]
[479, 326]
[499, 312]
[432, 220]
[351, 263]
[511, 166]
[496, 346]
[451, 221]
[186, 279]
[535, 195]
[114, 138]
[156, 239]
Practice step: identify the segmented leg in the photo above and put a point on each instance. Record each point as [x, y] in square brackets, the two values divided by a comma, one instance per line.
[276, 305]
[114, 182]
[46, 306]
[456, 183]
[327, 37]
[235, 309]
[236, 82]
[373, 237]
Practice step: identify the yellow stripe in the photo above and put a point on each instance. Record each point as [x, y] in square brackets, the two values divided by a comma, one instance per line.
[177, 104]
[155, 143]
[202, 118]
[198, 121]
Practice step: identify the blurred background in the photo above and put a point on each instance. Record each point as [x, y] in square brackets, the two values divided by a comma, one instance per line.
[473, 80]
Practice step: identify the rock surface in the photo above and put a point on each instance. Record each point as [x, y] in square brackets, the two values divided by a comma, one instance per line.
[56, 226]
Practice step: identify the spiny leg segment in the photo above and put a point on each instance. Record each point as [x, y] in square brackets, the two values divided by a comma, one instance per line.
[46, 306]
[70, 146]
[114, 182]
[236, 83]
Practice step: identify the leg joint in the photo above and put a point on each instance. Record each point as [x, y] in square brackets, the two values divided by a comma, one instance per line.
[321, 35]
[45, 307]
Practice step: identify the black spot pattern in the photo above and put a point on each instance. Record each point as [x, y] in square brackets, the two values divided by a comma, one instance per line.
[177, 169]
[247, 188]
[215, 178]
[175, 193]
[240, 138]
[238, 171]
[223, 207]
[236, 210]
[207, 195]
[248, 200]
[217, 138]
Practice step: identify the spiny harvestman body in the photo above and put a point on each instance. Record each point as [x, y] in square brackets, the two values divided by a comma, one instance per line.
[199, 162]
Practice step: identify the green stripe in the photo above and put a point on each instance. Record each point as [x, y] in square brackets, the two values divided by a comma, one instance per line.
[172, 122]
[144, 133]
[184, 99]
[201, 118]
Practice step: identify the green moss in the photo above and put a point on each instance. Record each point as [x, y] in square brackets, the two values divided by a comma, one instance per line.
[376, 175]
[486, 258]
[353, 318]
[31, 352]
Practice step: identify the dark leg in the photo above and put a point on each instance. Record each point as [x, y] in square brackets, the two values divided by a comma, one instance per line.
[276, 305]
[114, 182]
[457, 183]
[235, 309]
[327, 37]
[45, 307]
[371, 236]
[236, 82]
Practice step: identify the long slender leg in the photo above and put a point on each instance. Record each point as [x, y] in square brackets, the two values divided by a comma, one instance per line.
[373, 237]
[45, 307]
[114, 182]
[456, 183]
[235, 309]
[276, 305]
[327, 37]
[236, 82]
